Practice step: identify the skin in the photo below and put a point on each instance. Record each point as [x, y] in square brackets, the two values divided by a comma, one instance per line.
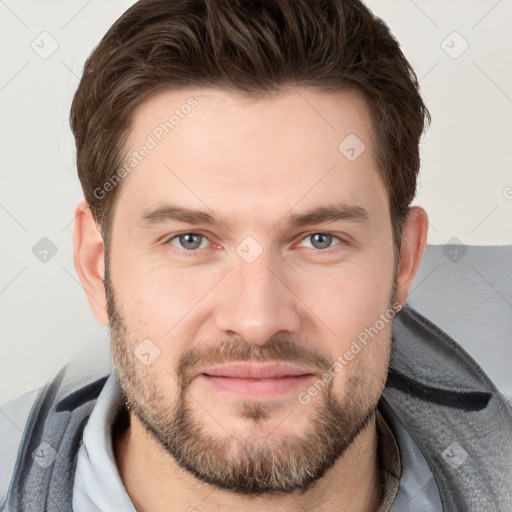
[252, 162]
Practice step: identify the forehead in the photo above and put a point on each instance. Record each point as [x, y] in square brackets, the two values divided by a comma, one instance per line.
[222, 149]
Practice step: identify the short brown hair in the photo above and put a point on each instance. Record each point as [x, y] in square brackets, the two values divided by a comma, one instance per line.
[256, 47]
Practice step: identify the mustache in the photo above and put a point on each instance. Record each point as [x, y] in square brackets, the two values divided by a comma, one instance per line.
[234, 350]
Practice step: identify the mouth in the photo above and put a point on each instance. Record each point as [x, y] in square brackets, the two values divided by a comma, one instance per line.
[259, 380]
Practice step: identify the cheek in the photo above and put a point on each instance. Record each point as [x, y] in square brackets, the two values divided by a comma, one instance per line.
[348, 299]
[354, 304]
[363, 365]
[158, 302]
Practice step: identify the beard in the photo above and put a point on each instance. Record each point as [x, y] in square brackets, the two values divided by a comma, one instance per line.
[249, 464]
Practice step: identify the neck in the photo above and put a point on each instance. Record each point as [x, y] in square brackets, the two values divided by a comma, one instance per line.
[153, 480]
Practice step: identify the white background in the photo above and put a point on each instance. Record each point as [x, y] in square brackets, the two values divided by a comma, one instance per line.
[465, 184]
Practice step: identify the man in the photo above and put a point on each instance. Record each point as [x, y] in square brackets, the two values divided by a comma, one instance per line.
[247, 235]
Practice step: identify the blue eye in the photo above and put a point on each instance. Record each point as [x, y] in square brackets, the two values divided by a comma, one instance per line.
[321, 241]
[191, 242]
[188, 241]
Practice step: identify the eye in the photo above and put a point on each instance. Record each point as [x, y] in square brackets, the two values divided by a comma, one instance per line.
[188, 241]
[321, 241]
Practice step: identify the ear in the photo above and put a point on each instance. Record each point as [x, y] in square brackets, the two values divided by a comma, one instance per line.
[414, 240]
[89, 258]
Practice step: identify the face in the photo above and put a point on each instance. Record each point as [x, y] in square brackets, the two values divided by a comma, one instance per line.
[250, 283]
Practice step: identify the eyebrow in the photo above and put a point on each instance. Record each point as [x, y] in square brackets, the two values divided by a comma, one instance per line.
[330, 213]
[169, 212]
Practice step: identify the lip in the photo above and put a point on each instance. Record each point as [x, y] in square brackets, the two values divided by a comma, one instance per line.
[246, 370]
[256, 380]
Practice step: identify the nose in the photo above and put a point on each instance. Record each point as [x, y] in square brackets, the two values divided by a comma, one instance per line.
[256, 302]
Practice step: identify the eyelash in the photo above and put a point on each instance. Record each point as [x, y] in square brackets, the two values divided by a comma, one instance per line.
[194, 252]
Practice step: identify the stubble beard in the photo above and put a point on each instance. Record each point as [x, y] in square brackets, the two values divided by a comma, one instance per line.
[243, 464]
